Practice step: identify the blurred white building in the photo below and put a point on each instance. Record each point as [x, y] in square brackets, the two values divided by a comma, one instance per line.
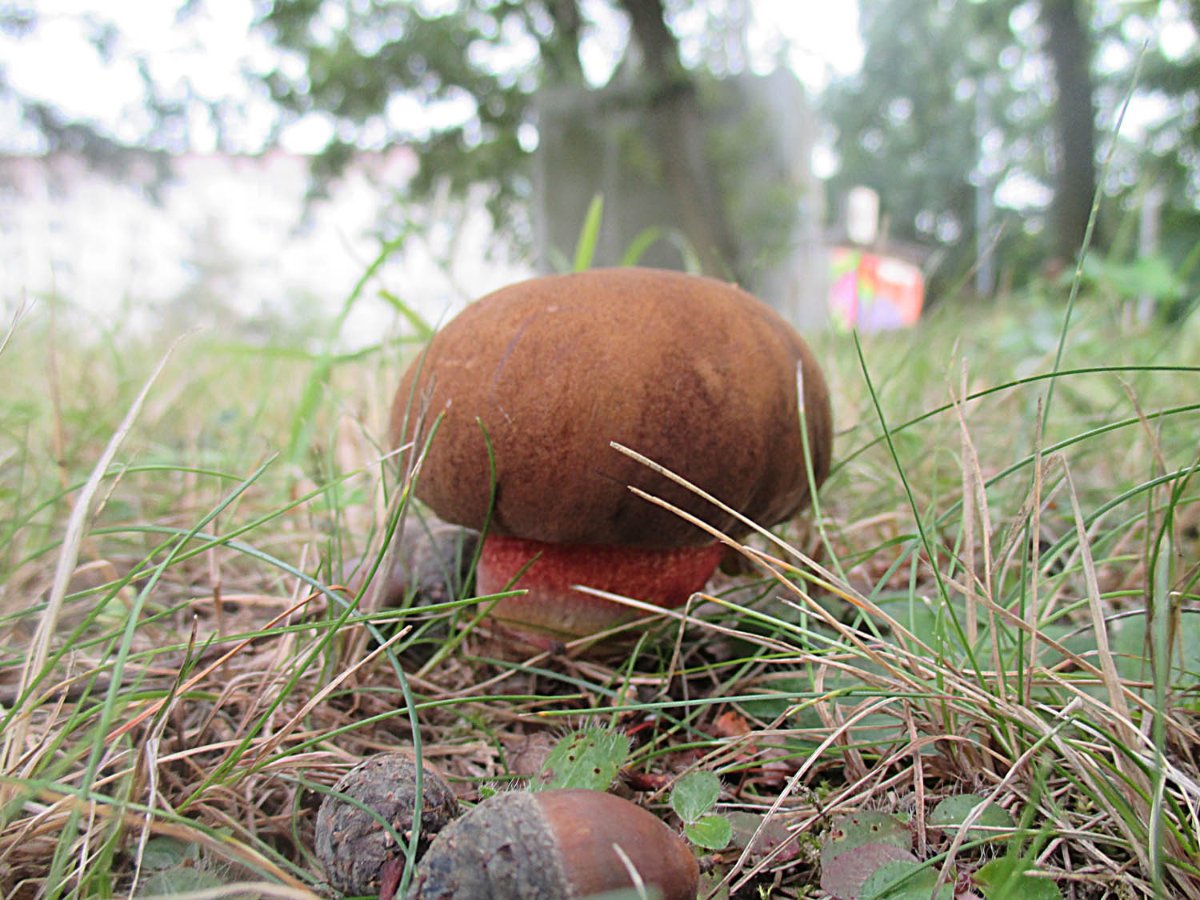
[231, 239]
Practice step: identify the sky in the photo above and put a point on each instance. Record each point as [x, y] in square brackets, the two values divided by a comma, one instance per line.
[213, 47]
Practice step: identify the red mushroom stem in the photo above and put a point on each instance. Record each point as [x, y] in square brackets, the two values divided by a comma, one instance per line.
[552, 610]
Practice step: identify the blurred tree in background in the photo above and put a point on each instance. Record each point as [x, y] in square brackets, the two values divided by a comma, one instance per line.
[484, 72]
[982, 125]
[59, 131]
[979, 125]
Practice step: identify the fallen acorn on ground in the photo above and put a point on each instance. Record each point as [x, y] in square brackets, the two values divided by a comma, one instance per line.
[555, 845]
[516, 845]
[359, 855]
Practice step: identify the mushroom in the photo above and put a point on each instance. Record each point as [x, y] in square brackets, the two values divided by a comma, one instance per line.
[539, 378]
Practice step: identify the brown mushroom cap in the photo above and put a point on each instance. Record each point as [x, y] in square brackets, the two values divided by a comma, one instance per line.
[694, 373]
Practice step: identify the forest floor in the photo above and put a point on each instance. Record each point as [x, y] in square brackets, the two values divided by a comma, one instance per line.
[996, 598]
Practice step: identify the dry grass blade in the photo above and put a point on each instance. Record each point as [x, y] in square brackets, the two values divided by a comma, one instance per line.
[1033, 608]
[14, 738]
[779, 571]
[200, 677]
[831, 739]
[59, 804]
[969, 484]
[975, 511]
[22, 308]
[280, 735]
[1016, 770]
[148, 760]
[1108, 667]
[826, 579]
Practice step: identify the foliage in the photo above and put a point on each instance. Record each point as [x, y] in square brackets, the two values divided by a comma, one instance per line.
[955, 101]
[693, 798]
[358, 58]
[1171, 72]
[145, 161]
[1012, 878]
[592, 757]
[857, 846]
[906, 124]
[955, 811]
[497, 81]
[588, 759]
[952, 114]
[476, 88]
[868, 854]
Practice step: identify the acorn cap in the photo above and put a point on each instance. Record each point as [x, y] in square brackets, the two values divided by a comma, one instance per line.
[694, 373]
[350, 842]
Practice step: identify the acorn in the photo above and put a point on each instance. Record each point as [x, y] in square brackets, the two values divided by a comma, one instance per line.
[555, 845]
[354, 848]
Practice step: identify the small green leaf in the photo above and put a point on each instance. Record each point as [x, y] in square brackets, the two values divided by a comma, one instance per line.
[695, 794]
[588, 759]
[843, 875]
[710, 832]
[953, 811]
[901, 879]
[165, 852]
[865, 827]
[181, 879]
[1008, 878]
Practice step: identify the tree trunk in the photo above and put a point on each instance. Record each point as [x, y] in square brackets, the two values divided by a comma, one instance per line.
[1074, 120]
[560, 51]
[678, 135]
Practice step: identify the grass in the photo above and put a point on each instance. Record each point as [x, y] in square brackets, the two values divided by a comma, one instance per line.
[1000, 596]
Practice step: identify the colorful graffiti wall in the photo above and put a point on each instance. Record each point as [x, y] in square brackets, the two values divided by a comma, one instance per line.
[872, 292]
